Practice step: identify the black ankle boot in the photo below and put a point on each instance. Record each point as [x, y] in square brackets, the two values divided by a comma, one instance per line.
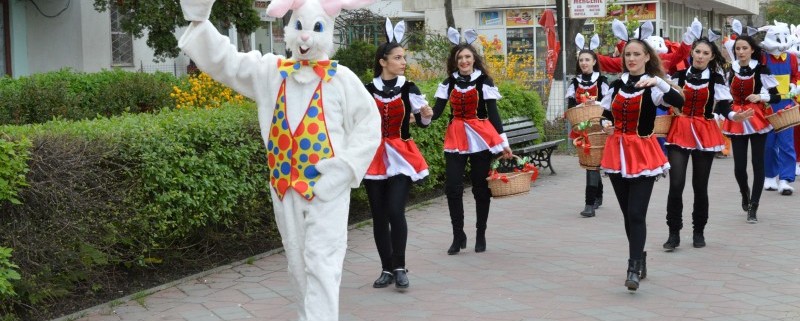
[698, 240]
[632, 281]
[643, 271]
[459, 242]
[401, 278]
[384, 280]
[673, 241]
[588, 211]
[480, 241]
[751, 213]
[598, 202]
[746, 200]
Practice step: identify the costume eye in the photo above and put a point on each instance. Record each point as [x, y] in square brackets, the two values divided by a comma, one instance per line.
[298, 25]
[318, 27]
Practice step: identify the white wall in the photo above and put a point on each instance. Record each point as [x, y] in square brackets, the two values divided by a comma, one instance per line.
[54, 43]
[96, 38]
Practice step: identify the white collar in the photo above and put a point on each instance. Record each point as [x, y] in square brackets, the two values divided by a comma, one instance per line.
[705, 74]
[625, 76]
[595, 75]
[378, 82]
[475, 74]
[735, 66]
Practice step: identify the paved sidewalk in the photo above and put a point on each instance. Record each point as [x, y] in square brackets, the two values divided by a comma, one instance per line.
[543, 262]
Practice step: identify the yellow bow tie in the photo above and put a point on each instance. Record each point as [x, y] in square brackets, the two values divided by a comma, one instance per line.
[782, 56]
[325, 69]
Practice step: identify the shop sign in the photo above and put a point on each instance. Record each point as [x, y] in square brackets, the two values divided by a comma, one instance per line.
[582, 9]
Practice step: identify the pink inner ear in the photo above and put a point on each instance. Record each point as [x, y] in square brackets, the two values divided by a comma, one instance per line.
[279, 8]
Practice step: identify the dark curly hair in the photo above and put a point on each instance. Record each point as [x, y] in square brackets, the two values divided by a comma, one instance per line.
[452, 59]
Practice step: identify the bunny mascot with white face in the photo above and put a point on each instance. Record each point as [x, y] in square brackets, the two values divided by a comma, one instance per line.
[780, 156]
[320, 126]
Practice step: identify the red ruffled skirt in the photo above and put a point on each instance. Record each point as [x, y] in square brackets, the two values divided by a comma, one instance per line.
[632, 156]
[467, 136]
[696, 132]
[758, 124]
[396, 156]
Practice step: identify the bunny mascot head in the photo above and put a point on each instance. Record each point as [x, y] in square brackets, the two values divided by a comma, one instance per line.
[320, 127]
[776, 40]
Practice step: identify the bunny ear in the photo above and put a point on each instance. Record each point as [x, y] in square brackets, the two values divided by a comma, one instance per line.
[712, 36]
[729, 47]
[595, 42]
[646, 30]
[399, 31]
[470, 36]
[736, 26]
[279, 8]
[579, 41]
[751, 31]
[619, 30]
[333, 7]
[453, 36]
[696, 27]
[389, 28]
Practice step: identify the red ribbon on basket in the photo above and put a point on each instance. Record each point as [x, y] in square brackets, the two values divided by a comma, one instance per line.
[583, 141]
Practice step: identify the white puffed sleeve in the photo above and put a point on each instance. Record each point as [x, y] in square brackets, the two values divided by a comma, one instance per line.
[491, 92]
[441, 92]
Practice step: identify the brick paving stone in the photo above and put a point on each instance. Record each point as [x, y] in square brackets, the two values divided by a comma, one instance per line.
[543, 262]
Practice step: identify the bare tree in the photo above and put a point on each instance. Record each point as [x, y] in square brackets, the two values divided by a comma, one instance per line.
[448, 13]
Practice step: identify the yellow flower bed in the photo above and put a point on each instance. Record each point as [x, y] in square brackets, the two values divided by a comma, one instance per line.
[201, 91]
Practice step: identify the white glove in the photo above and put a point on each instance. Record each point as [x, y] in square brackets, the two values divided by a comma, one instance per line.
[335, 177]
[692, 32]
[196, 10]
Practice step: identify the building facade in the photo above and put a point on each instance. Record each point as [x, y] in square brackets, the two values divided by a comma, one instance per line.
[512, 25]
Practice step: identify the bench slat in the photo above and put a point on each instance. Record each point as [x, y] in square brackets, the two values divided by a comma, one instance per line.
[521, 131]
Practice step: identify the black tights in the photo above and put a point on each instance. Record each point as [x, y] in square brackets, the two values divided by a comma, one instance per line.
[455, 166]
[739, 146]
[594, 186]
[387, 201]
[633, 195]
[701, 170]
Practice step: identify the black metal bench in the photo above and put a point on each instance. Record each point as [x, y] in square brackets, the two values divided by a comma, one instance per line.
[522, 134]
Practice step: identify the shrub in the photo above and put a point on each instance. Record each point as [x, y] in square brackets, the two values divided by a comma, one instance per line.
[72, 95]
[13, 166]
[358, 56]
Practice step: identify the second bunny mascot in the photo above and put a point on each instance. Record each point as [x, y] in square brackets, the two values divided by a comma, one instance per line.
[319, 125]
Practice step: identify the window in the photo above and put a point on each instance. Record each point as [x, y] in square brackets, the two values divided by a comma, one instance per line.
[121, 42]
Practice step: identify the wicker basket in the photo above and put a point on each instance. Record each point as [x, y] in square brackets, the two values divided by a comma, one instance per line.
[583, 112]
[662, 124]
[591, 160]
[518, 183]
[785, 119]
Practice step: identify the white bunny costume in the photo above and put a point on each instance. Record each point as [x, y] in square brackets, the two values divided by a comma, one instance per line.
[319, 125]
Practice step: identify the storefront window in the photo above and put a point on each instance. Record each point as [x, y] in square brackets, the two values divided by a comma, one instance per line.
[514, 32]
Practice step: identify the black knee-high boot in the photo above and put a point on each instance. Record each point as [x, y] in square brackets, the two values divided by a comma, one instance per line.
[459, 237]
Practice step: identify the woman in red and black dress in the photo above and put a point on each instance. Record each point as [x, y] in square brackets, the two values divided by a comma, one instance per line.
[397, 162]
[695, 134]
[751, 84]
[632, 157]
[588, 82]
[474, 134]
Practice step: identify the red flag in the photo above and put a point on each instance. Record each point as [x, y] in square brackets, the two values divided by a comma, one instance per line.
[548, 22]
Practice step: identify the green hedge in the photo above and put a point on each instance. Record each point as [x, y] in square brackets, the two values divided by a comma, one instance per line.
[112, 197]
[72, 95]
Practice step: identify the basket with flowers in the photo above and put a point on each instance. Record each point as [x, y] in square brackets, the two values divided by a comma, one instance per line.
[590, 139]
[510, 177]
